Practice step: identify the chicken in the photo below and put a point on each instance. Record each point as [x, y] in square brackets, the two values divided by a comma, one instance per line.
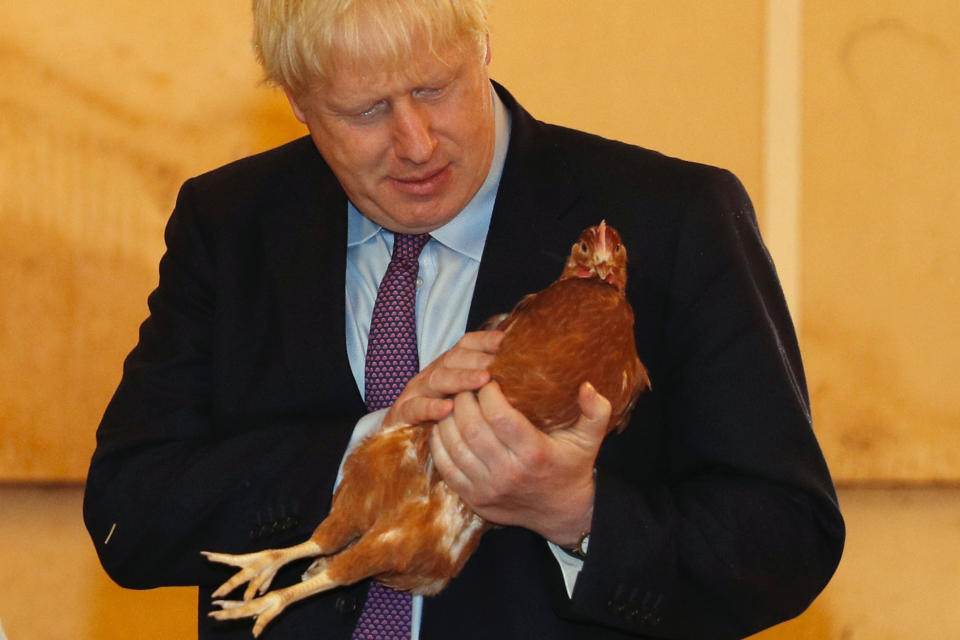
[392, 516]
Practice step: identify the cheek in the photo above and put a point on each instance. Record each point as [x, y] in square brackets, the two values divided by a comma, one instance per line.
[352, 158]
[465, 122]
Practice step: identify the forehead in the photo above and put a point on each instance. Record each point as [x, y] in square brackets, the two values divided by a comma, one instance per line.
[361, 80]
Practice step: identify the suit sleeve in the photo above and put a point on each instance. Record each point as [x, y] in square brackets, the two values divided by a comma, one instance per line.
[171, 475]
[739, 528]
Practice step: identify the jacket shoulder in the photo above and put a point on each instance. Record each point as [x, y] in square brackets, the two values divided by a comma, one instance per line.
[613, 165]
[260, 170]
[288, 178]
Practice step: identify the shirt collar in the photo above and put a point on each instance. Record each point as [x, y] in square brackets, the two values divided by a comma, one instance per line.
[467, 232]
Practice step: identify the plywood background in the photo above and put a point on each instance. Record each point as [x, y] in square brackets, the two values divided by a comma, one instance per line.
[106, 107]
[880, 233]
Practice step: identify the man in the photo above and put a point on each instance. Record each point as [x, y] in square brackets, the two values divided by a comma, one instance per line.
[712, 515]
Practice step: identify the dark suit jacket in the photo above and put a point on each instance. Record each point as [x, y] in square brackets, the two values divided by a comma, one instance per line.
[715, 514]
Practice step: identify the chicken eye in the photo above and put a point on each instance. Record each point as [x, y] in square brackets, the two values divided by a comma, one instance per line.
[619, 248]
[583, 247]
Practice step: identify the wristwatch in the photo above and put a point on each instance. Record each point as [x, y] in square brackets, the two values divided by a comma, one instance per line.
[580, 549]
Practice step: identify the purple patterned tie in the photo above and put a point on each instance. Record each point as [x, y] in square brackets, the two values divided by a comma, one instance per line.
[392, 360]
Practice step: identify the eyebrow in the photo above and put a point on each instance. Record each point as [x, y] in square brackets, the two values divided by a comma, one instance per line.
[442, 77]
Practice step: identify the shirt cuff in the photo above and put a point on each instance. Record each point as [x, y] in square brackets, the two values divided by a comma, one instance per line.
[569, 566]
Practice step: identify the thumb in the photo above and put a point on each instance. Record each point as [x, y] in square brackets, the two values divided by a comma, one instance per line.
[417, 410]
[595, 413]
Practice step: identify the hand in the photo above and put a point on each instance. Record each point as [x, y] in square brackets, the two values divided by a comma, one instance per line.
[511, 473]
[428, 395]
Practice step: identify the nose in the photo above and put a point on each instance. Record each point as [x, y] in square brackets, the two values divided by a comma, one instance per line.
[413, 138]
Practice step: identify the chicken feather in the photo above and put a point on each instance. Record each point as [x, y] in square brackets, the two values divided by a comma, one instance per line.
[392, 516]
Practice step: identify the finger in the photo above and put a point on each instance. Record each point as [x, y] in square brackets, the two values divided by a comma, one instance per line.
[510, 427]
[461, 357]
[456, 370]
[443, 381]
[472, 351]
[485, 341]
[425, 398]
[418, 409]
[449, 471]
[467, 439]
[479, 434]
[595, 414]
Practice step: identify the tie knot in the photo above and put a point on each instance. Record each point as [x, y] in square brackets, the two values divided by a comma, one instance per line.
[407, 248]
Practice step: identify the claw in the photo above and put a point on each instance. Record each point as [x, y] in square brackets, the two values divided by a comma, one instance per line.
[264, 609]
[258, 569]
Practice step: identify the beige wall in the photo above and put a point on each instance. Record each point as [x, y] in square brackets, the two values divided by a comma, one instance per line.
[842, 119]
[899, 578]
[879, 235]
[845, 137]
[108, 106]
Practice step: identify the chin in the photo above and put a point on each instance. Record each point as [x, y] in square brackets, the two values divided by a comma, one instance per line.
[421, 219]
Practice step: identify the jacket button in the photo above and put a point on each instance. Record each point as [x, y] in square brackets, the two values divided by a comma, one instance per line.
[616, 607]
[346, 604]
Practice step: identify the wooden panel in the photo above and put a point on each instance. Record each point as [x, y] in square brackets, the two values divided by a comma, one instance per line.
[107, 106]
[898, 579]
[900, 573]
[685, 77]
[881, 269]
[54, 587]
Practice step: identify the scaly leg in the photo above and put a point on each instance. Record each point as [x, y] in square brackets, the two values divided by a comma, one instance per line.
[371, 555]
[268, 607]
[259, 568]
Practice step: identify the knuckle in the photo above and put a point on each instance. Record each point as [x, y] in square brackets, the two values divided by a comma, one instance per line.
[464, 343]
[435, 379]
[466, 378]
[485, 360]
[472, 431]
[513, 476]
[535, 459]
[499, 417]
[443, 362]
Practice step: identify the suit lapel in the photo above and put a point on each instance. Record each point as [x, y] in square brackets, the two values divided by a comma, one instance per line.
[306, 243]
[530, 233]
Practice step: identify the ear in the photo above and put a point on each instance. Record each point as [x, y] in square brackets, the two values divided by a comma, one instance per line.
[297, 111]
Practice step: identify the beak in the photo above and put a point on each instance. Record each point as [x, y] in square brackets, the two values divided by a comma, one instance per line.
[603, 261]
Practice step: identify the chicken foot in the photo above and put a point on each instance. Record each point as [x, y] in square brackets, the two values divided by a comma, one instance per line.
[259, 568]
[266, 607]
[347, 567]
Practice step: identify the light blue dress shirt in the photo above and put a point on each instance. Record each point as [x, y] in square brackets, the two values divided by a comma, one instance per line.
[449, 264]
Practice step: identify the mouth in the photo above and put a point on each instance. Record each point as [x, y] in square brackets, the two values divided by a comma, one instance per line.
[425, 184]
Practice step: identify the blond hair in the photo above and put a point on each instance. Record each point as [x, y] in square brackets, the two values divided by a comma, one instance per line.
[300, 43]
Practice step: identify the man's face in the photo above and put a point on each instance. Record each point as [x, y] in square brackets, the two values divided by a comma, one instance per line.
[410, 148]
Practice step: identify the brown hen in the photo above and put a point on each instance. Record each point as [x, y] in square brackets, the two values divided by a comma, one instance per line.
[392, 516]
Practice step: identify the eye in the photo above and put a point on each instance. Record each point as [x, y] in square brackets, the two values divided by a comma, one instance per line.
[427, 92]
[371, 111]
[619, 248]
[583, 247]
